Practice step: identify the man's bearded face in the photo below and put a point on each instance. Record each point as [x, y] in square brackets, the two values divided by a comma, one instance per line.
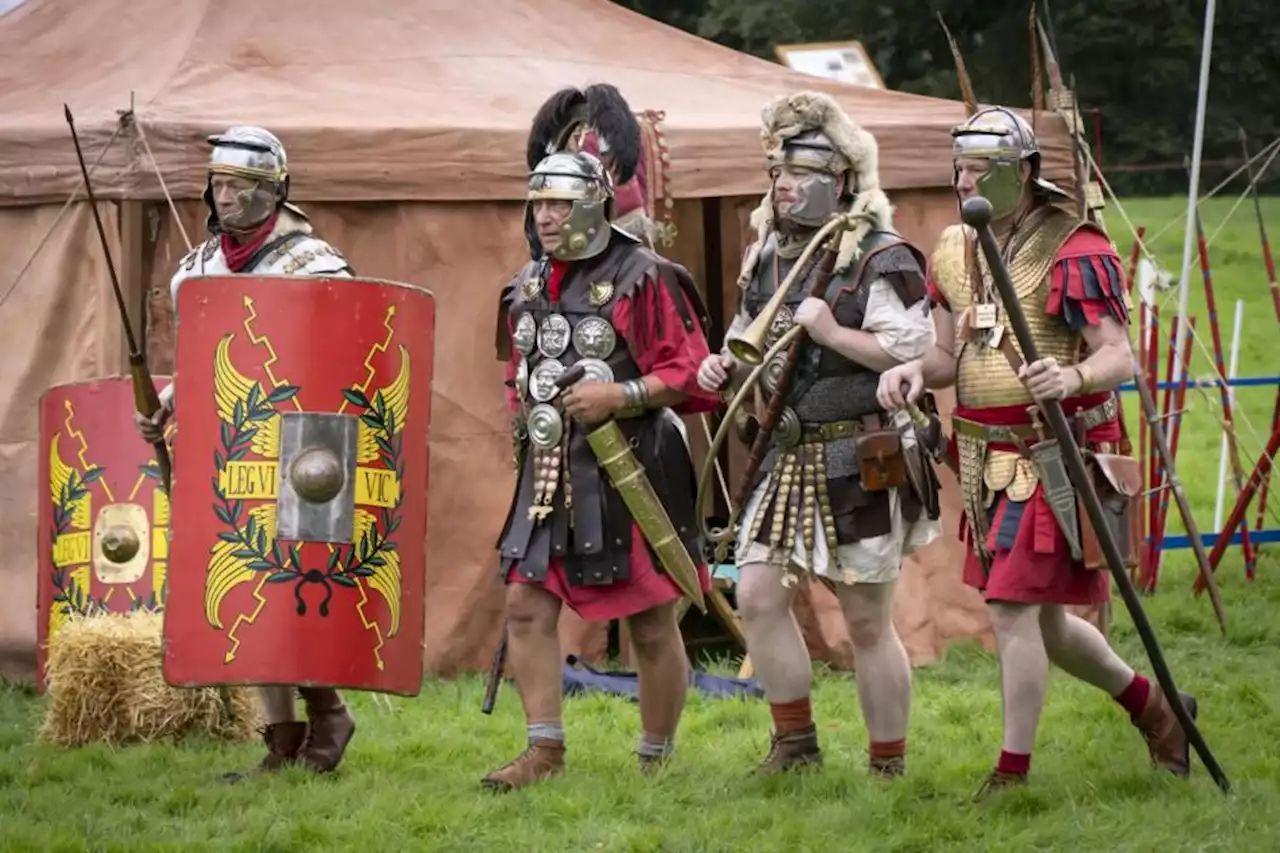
[242, 204]
[805, 197]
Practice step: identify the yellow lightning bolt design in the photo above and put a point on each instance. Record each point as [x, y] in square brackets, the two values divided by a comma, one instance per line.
[85, 465]
[142, 478]
[370, 623]
[244, 619]
[264, 341]
[374, 350]
[362, 387]
[250, 618]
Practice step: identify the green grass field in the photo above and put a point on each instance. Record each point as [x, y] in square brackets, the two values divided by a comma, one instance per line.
[410, 780]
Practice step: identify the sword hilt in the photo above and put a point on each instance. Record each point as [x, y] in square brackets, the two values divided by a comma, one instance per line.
[570, 376]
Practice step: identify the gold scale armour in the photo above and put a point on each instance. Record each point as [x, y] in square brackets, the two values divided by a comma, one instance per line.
[984, 377]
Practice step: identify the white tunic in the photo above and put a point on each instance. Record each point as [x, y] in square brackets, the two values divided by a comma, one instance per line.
[904, 335]
[304, 254]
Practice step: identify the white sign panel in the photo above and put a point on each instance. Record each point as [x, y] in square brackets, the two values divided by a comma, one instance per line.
[845, 62]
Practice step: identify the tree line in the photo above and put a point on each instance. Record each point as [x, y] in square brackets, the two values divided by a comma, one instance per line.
[1135, 65]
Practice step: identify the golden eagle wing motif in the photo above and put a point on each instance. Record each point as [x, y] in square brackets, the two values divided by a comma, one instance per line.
[230, 387]
[60, 474]
[386, 577]
[396, 399]
[229, 562]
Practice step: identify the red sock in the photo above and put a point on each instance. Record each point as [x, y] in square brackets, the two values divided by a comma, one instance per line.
[792, 716]
[1014, 763]
[888, 748]
[1134, 697]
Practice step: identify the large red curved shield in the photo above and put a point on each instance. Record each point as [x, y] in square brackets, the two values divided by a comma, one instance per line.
[299, 483]
[102, 514]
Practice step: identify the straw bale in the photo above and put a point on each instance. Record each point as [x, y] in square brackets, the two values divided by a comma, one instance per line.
[105, 684]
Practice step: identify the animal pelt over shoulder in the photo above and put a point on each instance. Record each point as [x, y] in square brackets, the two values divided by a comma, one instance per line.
[786, 117]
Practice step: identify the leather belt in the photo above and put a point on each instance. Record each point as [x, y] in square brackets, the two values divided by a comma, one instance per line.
[1092, 417]
[832, 430]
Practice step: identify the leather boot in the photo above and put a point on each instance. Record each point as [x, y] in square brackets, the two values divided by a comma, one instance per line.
[998, 781]
[792, 751]
[284, 742]
[887, 767]
[332, 728]
[543, 759]
[1166, 740]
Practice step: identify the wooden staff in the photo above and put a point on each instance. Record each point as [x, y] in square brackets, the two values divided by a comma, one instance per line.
[1153, 460]
[1142, 423]
[1179, 402]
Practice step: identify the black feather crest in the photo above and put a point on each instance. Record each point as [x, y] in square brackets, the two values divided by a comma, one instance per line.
[555, 118]
[602, 107]
[611, 116]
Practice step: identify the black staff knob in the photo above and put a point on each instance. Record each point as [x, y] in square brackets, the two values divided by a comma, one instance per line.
[976, 212]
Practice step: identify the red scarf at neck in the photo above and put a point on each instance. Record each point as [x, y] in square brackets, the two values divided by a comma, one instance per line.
[239, 254]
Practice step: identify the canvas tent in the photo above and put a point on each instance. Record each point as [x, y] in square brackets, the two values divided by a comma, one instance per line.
[405, 129]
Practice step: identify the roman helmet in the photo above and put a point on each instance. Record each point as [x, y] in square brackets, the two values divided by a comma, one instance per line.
[575, 120]
[581, 179]
[1004, 139]
[810, 129]
[247, 151]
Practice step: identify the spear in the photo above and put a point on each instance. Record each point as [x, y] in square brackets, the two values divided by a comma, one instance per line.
[145, 398]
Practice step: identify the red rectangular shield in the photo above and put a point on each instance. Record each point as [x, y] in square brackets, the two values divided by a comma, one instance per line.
[300, 483]
[102, 515]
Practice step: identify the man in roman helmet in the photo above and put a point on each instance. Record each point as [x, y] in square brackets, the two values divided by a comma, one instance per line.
[254, 229]
[1024, 543]
[598, 120]
[595, 299]
[833, 500]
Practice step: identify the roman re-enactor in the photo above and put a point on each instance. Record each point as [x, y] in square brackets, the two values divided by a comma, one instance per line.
[596, 300]
[1027, 548]
[833, 500]
[254, 229]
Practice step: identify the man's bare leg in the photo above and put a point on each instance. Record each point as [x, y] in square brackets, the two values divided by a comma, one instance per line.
[883, 672]
[782, 664]
[1081, 651]
[663, 670]
[533, 650]
[1024, 670]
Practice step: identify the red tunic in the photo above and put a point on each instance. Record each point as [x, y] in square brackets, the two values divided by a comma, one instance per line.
[673, 357]
[1031, 560]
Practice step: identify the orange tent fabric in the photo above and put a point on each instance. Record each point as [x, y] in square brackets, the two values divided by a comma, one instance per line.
[420, 100]
[405, 130]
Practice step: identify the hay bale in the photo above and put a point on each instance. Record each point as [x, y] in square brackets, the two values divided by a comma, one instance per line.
[105, 684]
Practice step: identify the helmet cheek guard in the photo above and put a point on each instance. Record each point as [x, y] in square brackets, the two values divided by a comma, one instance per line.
[581, 180]
[255, 154]
[1005, 140]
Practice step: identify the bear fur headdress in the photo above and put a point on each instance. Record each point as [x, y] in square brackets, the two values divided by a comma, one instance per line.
[788, 116]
